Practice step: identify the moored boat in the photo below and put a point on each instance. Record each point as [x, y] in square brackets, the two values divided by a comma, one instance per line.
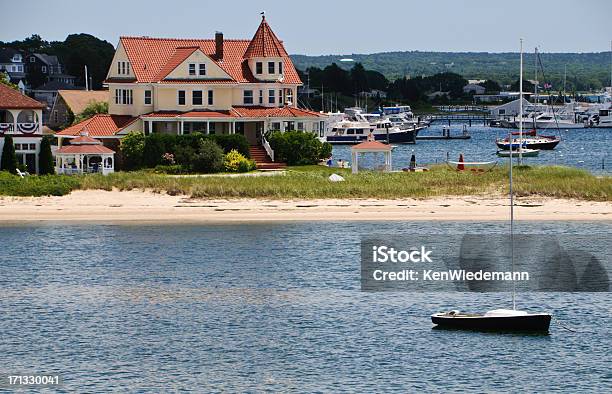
[495, 320]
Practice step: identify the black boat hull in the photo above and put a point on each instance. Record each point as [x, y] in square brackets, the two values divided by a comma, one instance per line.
[541, 145]
[540, 323]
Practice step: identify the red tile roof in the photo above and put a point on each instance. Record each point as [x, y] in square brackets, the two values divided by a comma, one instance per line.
[265, 43]
[85, 149]
[239, 112]
[99, 125]
[153, 58]
[13, 99]
[371, 146]
[274, 112]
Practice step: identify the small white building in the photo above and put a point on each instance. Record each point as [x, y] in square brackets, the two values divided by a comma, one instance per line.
[509, 110]
[472, 88]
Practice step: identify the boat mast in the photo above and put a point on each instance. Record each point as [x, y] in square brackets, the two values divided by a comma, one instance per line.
[511, 190]
[535, 86]
[520, 149]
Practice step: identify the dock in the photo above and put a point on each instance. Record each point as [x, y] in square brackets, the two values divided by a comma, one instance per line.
[446, 135]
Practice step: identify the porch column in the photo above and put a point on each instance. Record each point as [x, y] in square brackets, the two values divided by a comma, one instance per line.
[181, 127]
[233, 131]
[15, 116]
[207, 127]
[150, 127]
[40, 129]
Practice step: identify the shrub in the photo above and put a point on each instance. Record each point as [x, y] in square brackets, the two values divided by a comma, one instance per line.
[229, 142]
[298, 147]
[132, 148]
[236, 162]
[172, 169]
[45, 158]
[209, 157]
[8, 161]
[53, 185]
[155, 146]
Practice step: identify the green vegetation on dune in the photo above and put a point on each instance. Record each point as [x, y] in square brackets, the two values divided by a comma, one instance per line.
[311, 182]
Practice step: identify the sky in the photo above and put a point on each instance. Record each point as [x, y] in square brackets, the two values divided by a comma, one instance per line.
[316, 27]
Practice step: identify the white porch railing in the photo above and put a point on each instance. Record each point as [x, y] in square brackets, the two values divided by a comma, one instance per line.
[267, 147]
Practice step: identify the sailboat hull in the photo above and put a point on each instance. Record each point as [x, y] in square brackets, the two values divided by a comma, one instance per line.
[533, 322]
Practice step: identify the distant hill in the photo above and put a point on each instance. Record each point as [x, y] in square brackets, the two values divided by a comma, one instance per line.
[584, 70]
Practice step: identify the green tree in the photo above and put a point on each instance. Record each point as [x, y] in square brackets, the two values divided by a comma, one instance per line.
[93, 108]
[8, 161]
[359, 79]
[5, 80]
[45, 158]
[132, 149]
[490, 86]
[209, 158]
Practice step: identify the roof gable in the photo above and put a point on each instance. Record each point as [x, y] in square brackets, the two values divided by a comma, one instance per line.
[78, 100]
[177, 66]
[99, 125]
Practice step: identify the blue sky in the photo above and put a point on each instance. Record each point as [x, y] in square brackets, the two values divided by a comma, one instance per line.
[332, 27]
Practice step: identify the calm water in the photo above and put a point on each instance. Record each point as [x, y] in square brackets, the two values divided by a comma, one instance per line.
[582, 148]
[269, 307]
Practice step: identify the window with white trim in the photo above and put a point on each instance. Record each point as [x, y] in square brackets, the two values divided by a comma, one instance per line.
[196, 97]
[123, 67]
[280, 97]
[123, 97]
[271, 68]
[271, 96]
[202, 69]
[258, 68]
[210, 97]
[181, 97]
[148, 98]
[280, 67]
[192, 69]
[261, 97]
[247, 97]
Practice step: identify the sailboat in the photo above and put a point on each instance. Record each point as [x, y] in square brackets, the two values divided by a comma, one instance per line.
[499, 319]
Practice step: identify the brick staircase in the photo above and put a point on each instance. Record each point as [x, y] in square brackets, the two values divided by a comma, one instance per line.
[263, 161]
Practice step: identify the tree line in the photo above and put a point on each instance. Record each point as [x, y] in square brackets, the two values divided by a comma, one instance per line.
[76, 51]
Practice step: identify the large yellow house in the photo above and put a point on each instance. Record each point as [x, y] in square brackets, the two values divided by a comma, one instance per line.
[180, 86]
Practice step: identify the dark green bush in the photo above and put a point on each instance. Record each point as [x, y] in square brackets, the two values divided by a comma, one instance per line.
[209, 158]
[45, 158]
[298, 147]
[132, 149]
[8, 161]
[229, 142]
[174, 169]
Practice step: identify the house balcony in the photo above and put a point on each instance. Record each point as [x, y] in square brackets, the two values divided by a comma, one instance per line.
[24, 128]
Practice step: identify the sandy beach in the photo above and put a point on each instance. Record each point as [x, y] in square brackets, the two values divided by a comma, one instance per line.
[143, 206]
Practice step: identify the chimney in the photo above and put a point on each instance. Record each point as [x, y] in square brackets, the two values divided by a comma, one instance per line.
[219, 45]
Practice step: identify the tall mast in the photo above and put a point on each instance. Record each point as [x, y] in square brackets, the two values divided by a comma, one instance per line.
[520, 150]
[535, 87]
[564, 82]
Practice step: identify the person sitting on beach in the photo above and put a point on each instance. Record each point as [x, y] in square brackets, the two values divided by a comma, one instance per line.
[330, 162]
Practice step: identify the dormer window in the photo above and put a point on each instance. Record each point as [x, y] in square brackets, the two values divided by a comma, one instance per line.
[271, 68]
[32, 59]
[197, 69]
[202, 69]
[258, 68]
[280, 67]
[123, 68]
[192, 69]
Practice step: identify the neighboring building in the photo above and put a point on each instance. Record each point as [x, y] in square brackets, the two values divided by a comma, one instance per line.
[47, 93]
[472, 88]
[46, 68]
[374, 93]
[21, 118]
[438, 94]
[222, 86]
[509, 110]
[476, 81]
[11, 62]
[69, 103]
[500, 97]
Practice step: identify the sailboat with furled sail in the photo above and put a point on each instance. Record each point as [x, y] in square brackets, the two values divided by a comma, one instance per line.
[499, 319]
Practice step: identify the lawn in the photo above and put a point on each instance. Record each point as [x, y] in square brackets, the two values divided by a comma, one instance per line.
[309, 182]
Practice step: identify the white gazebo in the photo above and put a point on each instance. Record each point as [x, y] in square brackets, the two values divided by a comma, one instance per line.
[370, 147]
[85, 155]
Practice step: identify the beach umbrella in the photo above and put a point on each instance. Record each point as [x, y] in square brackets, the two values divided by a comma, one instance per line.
[460, 166]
